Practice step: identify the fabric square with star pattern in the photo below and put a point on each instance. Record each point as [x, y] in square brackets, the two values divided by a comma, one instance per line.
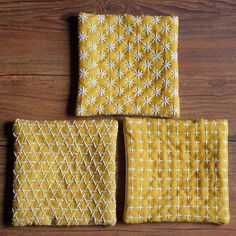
[177, 170]
[128, 65]
[64, 172]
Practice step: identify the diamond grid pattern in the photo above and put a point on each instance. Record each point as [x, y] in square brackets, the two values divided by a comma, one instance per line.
[64, 172]
[176, 170]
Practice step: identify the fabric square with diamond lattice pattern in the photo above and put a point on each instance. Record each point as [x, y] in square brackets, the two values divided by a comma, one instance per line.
[64, 172]
[128, 65]
[177, 170]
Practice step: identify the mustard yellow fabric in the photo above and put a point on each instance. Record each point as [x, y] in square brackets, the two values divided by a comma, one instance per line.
[64, 172]
[177, 170]
[128, 65]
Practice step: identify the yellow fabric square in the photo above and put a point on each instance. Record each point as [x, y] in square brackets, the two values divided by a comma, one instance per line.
[64, 172]
[128, 65]
[177, 170]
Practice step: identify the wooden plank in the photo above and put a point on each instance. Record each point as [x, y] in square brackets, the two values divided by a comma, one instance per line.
[50, 97]
[134, 232]
[38, 80]
[204, 55]
[206, 39]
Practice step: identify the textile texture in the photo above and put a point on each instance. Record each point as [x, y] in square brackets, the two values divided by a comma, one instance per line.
[128, 65]
[64, 172]
[177, 170]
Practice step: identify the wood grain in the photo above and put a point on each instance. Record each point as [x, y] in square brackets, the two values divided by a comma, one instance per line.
[39, 80]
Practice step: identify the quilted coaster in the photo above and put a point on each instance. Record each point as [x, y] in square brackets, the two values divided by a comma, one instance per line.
[177, 170]
[128, 65]
[64, 172]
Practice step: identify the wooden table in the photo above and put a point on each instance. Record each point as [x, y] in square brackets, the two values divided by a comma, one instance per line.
[38, 80]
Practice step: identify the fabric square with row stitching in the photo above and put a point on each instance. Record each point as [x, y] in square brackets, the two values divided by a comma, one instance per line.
[128, 65]
[177, 170]
[64, 172]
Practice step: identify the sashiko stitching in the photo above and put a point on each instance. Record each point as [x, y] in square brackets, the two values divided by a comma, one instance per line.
[64, 172]
[177, 170]
[128, 65]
